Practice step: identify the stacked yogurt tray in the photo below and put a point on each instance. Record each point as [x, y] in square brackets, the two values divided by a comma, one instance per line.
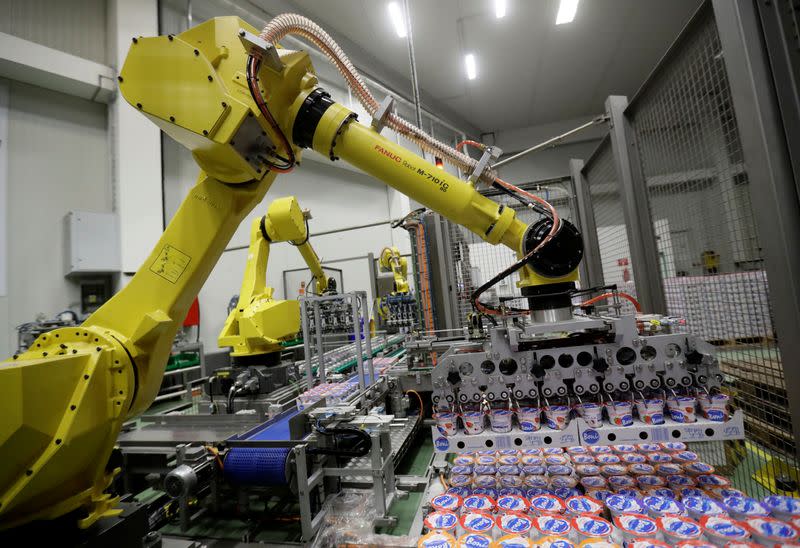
[648, 495]
[334, 393]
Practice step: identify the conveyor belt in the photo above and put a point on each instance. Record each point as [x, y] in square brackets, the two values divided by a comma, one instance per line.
[265, 466]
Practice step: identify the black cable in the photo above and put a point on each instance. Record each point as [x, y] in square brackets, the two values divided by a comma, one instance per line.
[253, 66]
[306, 239]
[361, 442]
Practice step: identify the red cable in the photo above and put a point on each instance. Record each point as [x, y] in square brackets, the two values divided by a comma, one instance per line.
[605, 296]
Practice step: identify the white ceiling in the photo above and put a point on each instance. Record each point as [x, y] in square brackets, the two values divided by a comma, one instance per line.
[530, 71]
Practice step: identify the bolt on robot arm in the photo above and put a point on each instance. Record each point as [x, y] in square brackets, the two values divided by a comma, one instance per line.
[245, 121]
[259, 323]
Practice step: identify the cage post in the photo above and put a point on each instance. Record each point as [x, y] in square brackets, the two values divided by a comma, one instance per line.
[592, 266]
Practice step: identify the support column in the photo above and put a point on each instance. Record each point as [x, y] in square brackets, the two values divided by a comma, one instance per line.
[773, 187]
[633, 193]
[135, 142]
[591, 266]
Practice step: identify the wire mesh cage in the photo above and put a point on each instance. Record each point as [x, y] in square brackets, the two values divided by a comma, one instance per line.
[710, 256]
[476, 261]
[612, 233]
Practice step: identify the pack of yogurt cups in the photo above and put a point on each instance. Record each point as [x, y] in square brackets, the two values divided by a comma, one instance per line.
[558, 496]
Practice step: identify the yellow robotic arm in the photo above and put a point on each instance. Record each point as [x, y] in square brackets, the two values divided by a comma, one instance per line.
[391, 261]
[259, 323]
[245, 113]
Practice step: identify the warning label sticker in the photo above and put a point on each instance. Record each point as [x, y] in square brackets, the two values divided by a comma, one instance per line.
[170, 263]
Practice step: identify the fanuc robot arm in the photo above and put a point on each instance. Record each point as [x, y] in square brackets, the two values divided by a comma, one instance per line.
[245, 112]
[392, 261]
[259, 323]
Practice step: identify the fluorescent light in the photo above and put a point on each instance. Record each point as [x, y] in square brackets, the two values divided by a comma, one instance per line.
[499, 8]
[472, 69]
[398, 20]
[566, 11]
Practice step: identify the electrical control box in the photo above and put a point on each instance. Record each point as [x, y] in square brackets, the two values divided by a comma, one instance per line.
[91, 243]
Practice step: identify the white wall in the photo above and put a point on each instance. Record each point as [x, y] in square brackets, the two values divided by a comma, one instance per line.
[58, 161]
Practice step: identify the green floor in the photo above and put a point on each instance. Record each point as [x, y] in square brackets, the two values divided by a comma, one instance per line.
[415, 463]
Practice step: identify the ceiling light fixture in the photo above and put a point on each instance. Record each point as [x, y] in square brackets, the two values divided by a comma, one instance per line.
[499, 8]
[472, 69]
[399, 22]
[566, 11]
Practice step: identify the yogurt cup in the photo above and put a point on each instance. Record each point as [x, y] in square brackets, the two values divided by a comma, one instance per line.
[743, 508]
[695, 544]
[607, 458]
[633, 458]
[651, 410]
[620, 413]
[678, 529]
[508, 470]
[513, 523]
[531, 460]
[621, 482]
[682, 409]
[486, 460]
[673, 446]
[665, 492]
[467, 469]
[553, 451]
[551, 524]
[657, 506]
[594, 482]
[484, 470]
[623, 448]
[474, 540]
[628, 492]
[649, 447]
[485, 481]
[547, 504]
[446, 502]
[534, 470]
[513, 541]
[782, 507]
[464, 460]
[488, 491]
[437, 539]
[477, 503]
[583, 505]
[720, 530]
[684, 492]
[577, 450]
[479, 523]
[712, 480]
[529, 419]
[474, 422]
[724, 492]
[460, 480]
[699, 507]
[592, 413]
[659, 458]
[561, 459]
[614, 470]
[557, 416]
[600, 449]
[636, 526]
[698, 468]
[684, 457]
[586, 526]
[554, 541]
[557, 482]
[621, 504]
[507, 452]
[531, 451]
[641, 469]
[500, 420]
[446, 423]
[505, 491]
[560, 470]
[536, 481]
[714, 407]
[770, 531]
[508, 460]
[536, 491]
[566, 492]
[587, 470]
[669, 469]
[441, 521]
[512, 503]
[649, 481]
[583, 459]
[679, 480]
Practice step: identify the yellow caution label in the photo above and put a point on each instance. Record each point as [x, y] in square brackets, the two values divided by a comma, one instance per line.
[170, 264]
